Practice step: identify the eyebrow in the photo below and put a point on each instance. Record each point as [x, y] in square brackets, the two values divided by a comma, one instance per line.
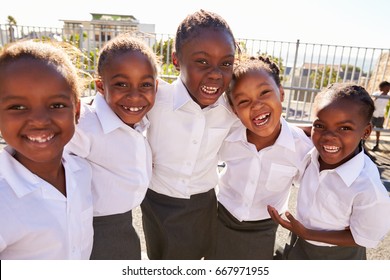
[207, 54]
[20, 97]
[120, 75]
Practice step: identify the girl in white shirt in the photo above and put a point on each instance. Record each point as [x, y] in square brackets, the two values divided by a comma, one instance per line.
[45, 195]
[263, 156]
[342, 203]
[189, 121]
[110, 136]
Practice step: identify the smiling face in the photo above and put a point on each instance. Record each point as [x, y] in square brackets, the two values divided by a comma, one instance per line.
[38, 111]
[337, 131]
[206, 65]
[256, 100]
[129, 86]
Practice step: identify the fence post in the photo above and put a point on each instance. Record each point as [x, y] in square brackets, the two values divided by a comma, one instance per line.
[81, 38]
[292, 79]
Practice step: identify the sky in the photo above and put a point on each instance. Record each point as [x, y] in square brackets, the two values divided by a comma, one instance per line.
[360, 23]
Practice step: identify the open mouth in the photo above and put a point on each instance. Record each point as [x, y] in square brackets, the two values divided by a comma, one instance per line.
[40, 139]
[261, 119]
[209, 90]
[133, 109]
[331, 149]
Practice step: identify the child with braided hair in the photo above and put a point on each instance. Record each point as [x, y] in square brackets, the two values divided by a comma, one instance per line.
[262, 156]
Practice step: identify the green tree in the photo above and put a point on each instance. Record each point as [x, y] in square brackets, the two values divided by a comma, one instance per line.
[163, 50]
[11, 28]
[322, 77]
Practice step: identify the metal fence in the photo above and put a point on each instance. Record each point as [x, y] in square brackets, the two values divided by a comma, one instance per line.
[306, 67]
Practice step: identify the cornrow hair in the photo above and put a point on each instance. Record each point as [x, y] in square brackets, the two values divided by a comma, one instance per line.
[348, 91]
[57, 55]
[252, 63]
[193, 24]
[125, 43]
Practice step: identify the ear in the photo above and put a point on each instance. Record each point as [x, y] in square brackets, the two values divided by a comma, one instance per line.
[367, 131]
[156, 85]
[281, 91]
[99, 86]
[77, 115]
[175, 61]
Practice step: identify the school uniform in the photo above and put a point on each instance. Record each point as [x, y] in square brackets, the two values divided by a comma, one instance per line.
[351, 195]
[250, 181]
[38, 221]
[179, 211]
[120, 158]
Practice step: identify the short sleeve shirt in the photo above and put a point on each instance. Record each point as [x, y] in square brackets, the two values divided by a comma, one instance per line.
[39, 222]
[254, 179]
[351, 195]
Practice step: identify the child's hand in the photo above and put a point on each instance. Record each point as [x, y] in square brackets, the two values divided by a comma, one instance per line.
[278, 219]
[291, 223]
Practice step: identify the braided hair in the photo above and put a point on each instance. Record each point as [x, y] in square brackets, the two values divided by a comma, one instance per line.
[247, 65]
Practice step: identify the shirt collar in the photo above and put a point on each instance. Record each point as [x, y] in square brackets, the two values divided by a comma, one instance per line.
[348, 171]
[22, 180]
[285, 138]
[181, 97]
[110, 121]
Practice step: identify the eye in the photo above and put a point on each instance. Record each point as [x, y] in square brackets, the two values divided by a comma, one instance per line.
[57, 106]
[317, 125]
[227, 64]
[120, 84]
[243, 102]
[17, 107]
[345, 128]
[202, 61]
[147, 85]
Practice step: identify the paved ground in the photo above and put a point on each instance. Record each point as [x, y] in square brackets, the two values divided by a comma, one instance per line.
[381, 158]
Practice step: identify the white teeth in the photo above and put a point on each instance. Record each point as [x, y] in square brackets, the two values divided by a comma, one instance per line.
[261, 117]
[133, 109]
[331, 149]
[261, 120]
[209, 90]
[40, 139]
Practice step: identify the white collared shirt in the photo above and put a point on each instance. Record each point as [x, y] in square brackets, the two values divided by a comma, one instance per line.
[351, 195]
[380, 105]
[119, 155]
[185, 141]
[254, 179]
[39, 222]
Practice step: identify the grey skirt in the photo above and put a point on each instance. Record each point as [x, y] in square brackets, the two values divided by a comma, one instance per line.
[246, 240]
[299, 249]
[179, 229]
[115, 238]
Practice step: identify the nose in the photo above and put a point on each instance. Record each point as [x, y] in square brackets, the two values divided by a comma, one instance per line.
[328, 134]
[215, 73]
[256, 104]
[40, 116]
[132, 93]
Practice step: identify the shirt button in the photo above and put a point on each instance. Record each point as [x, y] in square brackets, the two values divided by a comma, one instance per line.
[188, 163]
[194, 142]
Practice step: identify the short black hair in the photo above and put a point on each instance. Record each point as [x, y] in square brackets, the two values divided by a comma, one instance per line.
[384, 84]
[125, 43]
[348, 91]
[193, 25]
